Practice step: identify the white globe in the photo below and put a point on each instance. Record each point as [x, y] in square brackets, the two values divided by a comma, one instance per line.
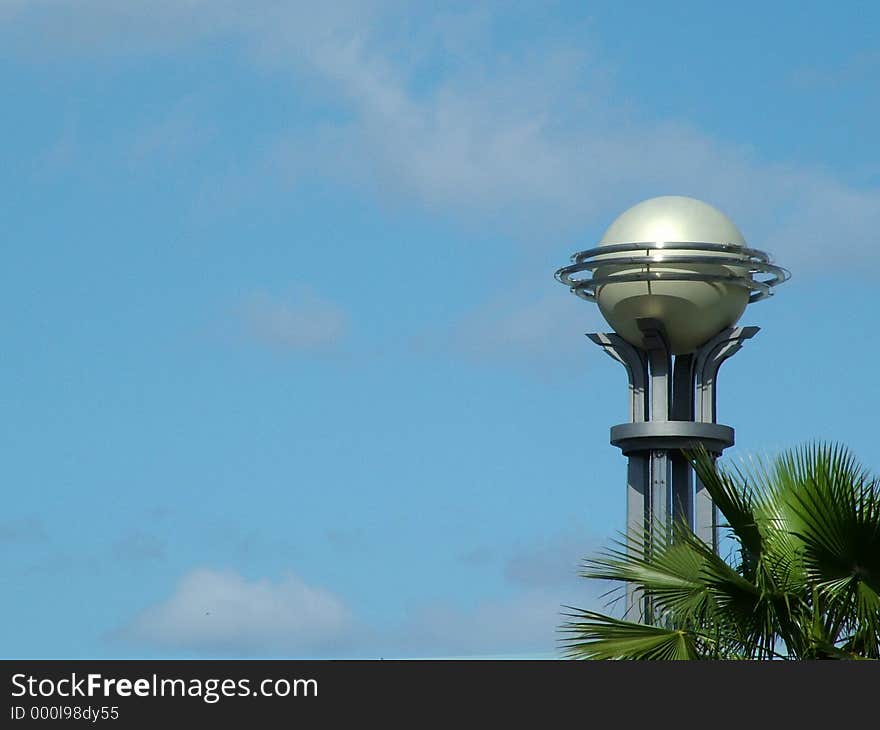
[691, 311]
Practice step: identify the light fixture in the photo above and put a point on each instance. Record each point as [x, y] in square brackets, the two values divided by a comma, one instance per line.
[672, 276]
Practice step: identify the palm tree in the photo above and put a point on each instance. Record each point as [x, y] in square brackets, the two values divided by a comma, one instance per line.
[803, 581]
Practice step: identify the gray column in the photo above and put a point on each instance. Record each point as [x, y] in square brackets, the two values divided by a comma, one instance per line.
[709, 359]
[672, 407]
[660, 386]
[637, 490]
[682, 409]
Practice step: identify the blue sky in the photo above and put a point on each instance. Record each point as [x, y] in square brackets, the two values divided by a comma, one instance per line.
[285, 370]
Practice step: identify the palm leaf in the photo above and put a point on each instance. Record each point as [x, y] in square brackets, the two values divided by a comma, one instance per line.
[734, 499]
[596, 636]
[807, 584]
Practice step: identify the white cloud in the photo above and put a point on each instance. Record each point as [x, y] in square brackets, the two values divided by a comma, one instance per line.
[524, 624]
[214, 612]
[222, 613]
[544, 147]
[544, 579]
[44, 29]
[179, 130]
[542, 332]
[305, 322]
[552, 563]
[858, 68]
[535, 137]
[139, 546]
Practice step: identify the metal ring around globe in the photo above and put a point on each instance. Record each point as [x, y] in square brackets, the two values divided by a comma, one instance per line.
[778, 274]
[763, 288]
[584, 288]
[669, 245]
[760, 290]
[754, 267]
[751, 260]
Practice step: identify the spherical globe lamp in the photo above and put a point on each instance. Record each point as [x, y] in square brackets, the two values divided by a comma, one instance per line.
[676, 260]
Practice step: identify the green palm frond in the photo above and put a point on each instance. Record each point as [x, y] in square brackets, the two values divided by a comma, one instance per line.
[596, 636]
[805, 582]
[835, 512]
[735, 499]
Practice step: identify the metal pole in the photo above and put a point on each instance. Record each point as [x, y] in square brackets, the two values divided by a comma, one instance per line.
[709, 359]
[659, 362]
[672, 407]
[682, 410]
[636, 365]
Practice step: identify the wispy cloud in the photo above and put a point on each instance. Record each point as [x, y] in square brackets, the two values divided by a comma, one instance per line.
[184, 129]
[544, 579]
[220, 612]
[543, 148]
[552, 563]
[22, 530]
[302, 322]
[223, 613]
[524, 625]
[215, 613]
[139, 547]
[536, 139]
[348, 540]
[858, 67]
[540, 332]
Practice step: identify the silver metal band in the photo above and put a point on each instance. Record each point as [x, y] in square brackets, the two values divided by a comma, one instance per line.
[750, 261]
